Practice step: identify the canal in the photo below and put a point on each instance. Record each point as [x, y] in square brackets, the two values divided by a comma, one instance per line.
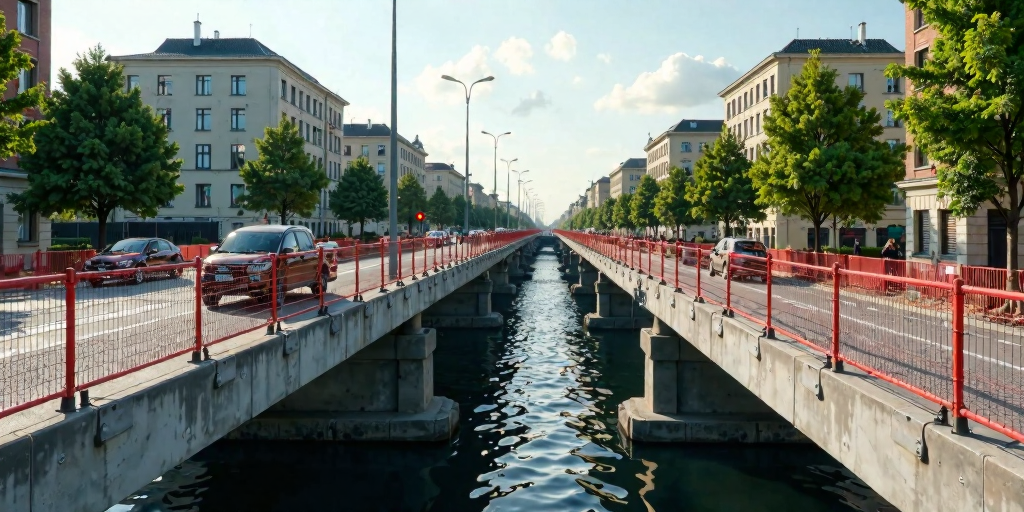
[538, 432]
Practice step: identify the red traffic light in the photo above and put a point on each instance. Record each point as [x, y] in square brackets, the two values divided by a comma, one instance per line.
[420, 216]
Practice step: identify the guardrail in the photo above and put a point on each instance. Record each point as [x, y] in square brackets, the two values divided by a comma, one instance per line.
[64, 334]
[938, 338]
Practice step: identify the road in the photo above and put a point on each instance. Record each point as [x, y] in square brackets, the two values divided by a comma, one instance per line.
[120, 326]
[910, 340]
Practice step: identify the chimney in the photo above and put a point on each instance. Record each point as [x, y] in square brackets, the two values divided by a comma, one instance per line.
[862, 33]
[216, 34]
[369, 124]
[195, 40]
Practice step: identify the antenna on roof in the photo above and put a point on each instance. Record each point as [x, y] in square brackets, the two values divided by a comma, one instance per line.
[250, 31]
[851, 32]
[798, 32]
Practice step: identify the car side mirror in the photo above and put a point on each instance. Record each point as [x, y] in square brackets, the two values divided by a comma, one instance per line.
[214, 249]
[152, 252]
[287, 250]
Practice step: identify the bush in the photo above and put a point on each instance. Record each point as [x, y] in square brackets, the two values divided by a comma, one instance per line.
[339, 234]
[70, 247]
[84, 243]
[198, 240]
[867, 252]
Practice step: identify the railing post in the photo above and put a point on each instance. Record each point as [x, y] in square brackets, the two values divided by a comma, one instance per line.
[834, 362]
[435, 256]
[650, 268]
[321, 279]
[197, 353]
[679, 256]
[661, 249]
[769, 331]
[450, 252]
[399, 282]
[355, 254]
[700, 258]
[382, 287]
[67, 402]
[424, 239]
[412, 251]
[959, 421]
[728, 284]
[271, 329]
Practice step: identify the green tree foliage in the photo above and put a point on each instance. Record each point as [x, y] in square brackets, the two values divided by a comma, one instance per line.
[671, 206]
[283, 179]
[360, 195]
[621, 212]
[16, 131]
[721, 187]
[101, 148]
[641, 206]
[459, 210]
[439, 209]
[822, 156]
[411, 199]
[607, 213]
[966, 111]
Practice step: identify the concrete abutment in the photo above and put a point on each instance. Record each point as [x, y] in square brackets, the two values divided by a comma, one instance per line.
[468, 307]
[616, 308]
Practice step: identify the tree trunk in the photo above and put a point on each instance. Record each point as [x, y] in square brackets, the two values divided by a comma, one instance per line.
[817, 233]
[1012, 279]
[101, 219]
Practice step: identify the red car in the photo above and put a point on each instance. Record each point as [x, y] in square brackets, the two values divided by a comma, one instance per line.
[721, 261]
[132, 253]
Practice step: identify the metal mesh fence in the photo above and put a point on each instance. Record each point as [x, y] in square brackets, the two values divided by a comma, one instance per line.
[236, 297]
[994, 361]
[802, 303]
[32, 340]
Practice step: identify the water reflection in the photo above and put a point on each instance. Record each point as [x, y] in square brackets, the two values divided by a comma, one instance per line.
[538, 432]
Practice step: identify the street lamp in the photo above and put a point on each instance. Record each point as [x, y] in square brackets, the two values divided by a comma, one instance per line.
[508, 211]
[469, 92]
[496, 137]
[508, 191]
[519, 204]
[393, 142]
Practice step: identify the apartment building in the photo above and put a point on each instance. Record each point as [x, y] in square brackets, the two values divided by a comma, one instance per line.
[480, 198]
[216, 96]
[24, 233]
[860, 63]
[680, 146]
[372, 140]
[626, 176]
[452, 182]
[599, 192]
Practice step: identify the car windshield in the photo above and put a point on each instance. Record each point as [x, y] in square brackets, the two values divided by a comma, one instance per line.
[251, 242]
[751, 249]
[127, 246]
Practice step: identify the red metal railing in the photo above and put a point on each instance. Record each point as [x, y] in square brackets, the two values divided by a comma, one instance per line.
[918, 327]
[63, 334]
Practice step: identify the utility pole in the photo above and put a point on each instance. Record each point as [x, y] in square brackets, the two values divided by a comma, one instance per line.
[393, 199]
[495, 189]
[469, 93]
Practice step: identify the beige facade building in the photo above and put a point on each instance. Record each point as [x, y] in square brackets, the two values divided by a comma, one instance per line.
[372, 141]
[452, 182]
[480, 198]
[625, 177]
[216, 97]
[599, 192]
[860, 63]
[680, 146]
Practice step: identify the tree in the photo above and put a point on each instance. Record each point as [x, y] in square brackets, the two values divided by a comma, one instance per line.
[721, 187]
[823, 157]
[100, 148]
[641, 206]
[439, 208]
[283, 179]
[608, 213]
[621, 211]
[459, 208]
[411, 198]
[966, 112]
[360, 195]
[671, 206]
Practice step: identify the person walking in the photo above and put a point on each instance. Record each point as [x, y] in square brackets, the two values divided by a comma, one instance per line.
[890, 254]
[856, 247]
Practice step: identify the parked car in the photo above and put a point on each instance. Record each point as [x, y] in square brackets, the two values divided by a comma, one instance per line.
[741, 267]
[132, 253]
[438, 238]
[242, 264]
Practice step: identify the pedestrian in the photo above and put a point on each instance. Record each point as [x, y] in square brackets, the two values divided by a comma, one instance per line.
[856, 247]
[890, 253]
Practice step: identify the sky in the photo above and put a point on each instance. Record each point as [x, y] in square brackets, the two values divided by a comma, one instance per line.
[579, 83]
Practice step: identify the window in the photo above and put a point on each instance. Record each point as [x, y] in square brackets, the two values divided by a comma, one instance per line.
[380, 150]
[947, 232]
[27, 227]
[163, 85]
[920, 57]
[728, 111]
[307, 132]
[203, 119]
[203, 156]
[890, 119]
[132, 82]
[685, 147]
[365, 150]
[238, 85]
[757, 92]
[293, 95]
[380, 168]
[822, 237]
[165, 116]
[301, 126]
[918, 18]
[632, 190]
[764, 87]
[203, 194]
[203, 85]
[857, 81]
[920, 158]
[771, 82]
[892, 85]
[687, 166]
[757, 123]
[284, 89]
[237, 156]
[236, 192]
[347, 151]
[302, 96]
[238, 119]
[27, 78]
[923, 226]
[847, 236]
[27, 17]
[897, 197]
[892, 143]
[307, 102]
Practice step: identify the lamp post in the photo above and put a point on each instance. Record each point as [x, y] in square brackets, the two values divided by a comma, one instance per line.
[469, 92]
[508, 211]
[496, 137]
[393, 171]
[508, 191]
[519, 204]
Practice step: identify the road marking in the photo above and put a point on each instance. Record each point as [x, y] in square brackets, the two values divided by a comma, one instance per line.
[81, 322]
[872, 309]
[1004, 342]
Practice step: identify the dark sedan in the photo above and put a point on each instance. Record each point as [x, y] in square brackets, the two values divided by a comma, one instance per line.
[132, 253]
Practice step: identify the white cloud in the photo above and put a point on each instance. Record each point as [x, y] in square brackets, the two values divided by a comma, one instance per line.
[515, 54]
[681, 81]
[577, 80]
[562, 46]
[604, 57]
[536, 100]
[471, 66]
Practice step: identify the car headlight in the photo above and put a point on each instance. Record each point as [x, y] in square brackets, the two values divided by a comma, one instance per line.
[259, 267]
[125, 263]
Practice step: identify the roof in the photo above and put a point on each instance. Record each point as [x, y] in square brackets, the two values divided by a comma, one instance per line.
[377, 130]
[634, 163]
[437, 166]
[697, 125]
[838, 46]
[604, 179]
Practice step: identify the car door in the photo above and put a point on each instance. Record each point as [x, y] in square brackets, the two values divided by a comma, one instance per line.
[309, 260]
[288, 264]
[171, 250]
[718, 254]
[152, 254]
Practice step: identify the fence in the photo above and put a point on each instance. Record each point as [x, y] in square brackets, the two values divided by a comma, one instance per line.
[63, 334]
[919, 327]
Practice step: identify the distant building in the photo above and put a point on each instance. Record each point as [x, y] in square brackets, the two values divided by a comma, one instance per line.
[372, 140]
[480, 198]
[452, 182]
[599, 192]
[680, 146]
[625, 177]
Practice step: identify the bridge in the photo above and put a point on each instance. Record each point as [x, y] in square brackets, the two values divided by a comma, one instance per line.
[106, 388]
[915, 386]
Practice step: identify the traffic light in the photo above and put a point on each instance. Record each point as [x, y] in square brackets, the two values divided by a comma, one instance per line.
[420, 216]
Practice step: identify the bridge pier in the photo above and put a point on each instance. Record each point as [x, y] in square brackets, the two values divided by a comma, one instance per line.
[616, 308]
[515, 267]
[570, 266]
[467, 307]
[688, 398]
[500, 277]
[588, 278]
[384, 392]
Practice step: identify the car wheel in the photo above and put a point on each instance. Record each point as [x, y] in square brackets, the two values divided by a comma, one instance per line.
[211, 300]
[178, 271]
[725, 271]
[711, 270]
[140, 276]
[322, 283]
[95, 283]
